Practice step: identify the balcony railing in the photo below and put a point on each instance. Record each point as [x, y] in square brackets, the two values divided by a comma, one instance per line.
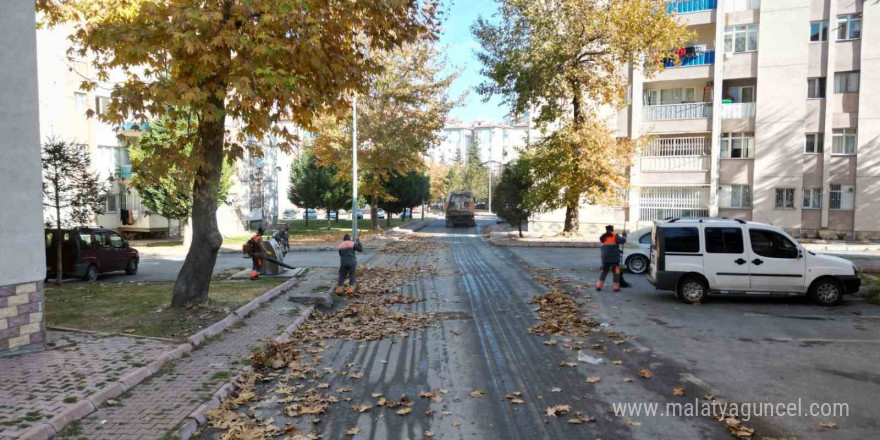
[695, 110]
[134, 126]
[700, 59]
[738, 110]
[664, 146]
[687, 6]
[124, 172]
[673, 201]
[741, 5]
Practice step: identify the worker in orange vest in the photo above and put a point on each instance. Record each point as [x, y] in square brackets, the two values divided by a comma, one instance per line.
[256, 253]
[610, 254]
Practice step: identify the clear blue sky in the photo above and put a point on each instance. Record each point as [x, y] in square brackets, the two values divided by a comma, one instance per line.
[460, 44]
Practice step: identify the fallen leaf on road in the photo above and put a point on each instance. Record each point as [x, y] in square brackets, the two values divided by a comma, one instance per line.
[404, 411]
[631, 423]
[555, 389]
[476, 394]
[828, 424]
[343, 390]
[323, 386]
[363, 408]
[645, 373]
[678, 391]
[627, 379]
[357, 375]
[568, 364]
[550, 342]
[375, 395]
[353, 431]
[429, 413]
[456, 424]
[556, 410]
[709, 396]
[617, 362]
[574, 421]
[592, 379]
[429, 434]
[443, 390]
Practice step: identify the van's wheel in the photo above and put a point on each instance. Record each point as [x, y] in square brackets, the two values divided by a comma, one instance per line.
[827, 292]
[91, 274]
[692, 289]
[132, 267]
[637, 264]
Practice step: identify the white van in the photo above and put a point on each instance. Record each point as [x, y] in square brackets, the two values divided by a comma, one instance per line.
[700, 257]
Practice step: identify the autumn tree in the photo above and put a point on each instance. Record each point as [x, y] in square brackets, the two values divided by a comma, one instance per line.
[561, 60]
[437, 176]
[258, 62]
[399, 120]
[475, 174]
[73, 192]
[511, 196]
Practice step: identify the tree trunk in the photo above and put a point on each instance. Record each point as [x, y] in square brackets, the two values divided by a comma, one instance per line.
[194, 278]
[572, 223]
[337, 216]
[59, 262]
[306, 216]
[519, 226]
[388, 219]
[374, 214]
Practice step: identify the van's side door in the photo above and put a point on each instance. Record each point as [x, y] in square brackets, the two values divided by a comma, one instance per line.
[775, 261]
[726, 258]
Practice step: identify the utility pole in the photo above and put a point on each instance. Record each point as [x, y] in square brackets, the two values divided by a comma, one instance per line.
[354, 169]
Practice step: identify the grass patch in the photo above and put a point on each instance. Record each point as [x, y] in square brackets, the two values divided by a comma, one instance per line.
[73, 428]
[873, 296]
[69, 399]
[221, 375]
[142, 308]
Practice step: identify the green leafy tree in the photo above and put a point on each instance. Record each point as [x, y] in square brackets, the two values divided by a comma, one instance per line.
[404, 191]
[309, 183]
[165, 187]
[399, 119]
[475, 175]
[337, 195]
[510, 197]
[258, 62]
[71, 190]
[558, 60]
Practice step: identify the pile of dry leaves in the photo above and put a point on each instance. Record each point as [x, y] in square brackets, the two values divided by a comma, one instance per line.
[559, 314]
[365, 322]
[413, 244]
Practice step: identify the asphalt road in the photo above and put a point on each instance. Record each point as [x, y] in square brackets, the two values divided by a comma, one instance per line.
[751, 349]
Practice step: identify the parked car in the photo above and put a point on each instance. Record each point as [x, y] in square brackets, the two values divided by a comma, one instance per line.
[637, 250]
[700, 257]
[360, 214]
[406, 213]
[332, 215]
[310, 214]
[87, 252]
[288, 214]
[380, 213]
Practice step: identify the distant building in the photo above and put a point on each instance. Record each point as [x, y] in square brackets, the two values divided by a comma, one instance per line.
[498, 142]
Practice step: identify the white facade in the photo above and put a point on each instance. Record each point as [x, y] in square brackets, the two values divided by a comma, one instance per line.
[498, 143]
[772, 117]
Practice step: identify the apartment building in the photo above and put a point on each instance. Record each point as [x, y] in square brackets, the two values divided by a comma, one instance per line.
[499, 143]
[771, 114]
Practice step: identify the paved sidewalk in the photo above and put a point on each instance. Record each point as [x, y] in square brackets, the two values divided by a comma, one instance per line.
[156, 406]
[37, 386]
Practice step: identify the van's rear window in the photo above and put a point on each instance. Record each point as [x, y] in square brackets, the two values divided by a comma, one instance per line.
[681, 240]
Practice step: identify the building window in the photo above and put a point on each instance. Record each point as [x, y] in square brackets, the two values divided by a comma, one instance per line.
[784, 198]
[742, 94]
[814, 144]
[111, 203]
[737, 145]
[735, 196]
[812, 198]
[843, 197]
[741, 38]
[101, 104]
[816, 88]
[849, 27]
[846, 82]
[79, 100]
[670, 96]
[844, 141]
[819, 31]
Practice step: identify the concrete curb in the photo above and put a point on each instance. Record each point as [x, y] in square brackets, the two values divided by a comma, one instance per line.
[45, 430]
[198, 417]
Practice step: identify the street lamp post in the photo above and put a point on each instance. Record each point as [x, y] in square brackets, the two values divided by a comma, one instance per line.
[489, 170]
[354, 170]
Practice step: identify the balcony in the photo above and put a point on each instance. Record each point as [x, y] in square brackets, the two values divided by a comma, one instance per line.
[124, 172]
[697, 110]
[132, 128]
[738, 110]
[700, 59]
[689, 6]
[687, 157]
